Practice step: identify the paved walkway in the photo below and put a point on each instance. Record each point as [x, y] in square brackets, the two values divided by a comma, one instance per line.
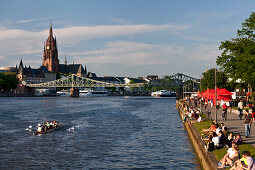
[233, 123]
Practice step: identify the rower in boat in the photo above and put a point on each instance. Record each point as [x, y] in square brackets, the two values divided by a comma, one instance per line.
[39, 128]
[55, 123]
[47, 125]
[44, 129]
[51, 125]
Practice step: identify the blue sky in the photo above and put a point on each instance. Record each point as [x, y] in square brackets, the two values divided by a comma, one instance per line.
[122, 37]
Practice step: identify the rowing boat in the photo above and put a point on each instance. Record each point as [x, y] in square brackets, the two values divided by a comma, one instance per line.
[48, 131]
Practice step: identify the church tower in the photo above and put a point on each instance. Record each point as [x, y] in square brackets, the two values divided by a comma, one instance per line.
[50, 53]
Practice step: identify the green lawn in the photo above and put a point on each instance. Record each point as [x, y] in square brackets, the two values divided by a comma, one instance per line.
[202, 125]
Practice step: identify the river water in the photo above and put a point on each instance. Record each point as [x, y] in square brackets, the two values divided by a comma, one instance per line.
[98, 133]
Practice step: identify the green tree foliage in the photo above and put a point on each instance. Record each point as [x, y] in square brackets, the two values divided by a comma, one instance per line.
[238, 56]
[131, 82]
[208, 80]
[190, 86]
[58, 75]
[8, 81]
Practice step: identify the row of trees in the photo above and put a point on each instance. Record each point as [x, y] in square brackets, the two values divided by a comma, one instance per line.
[238, 57]
[8, 81]
[167, 83]
[237, 60]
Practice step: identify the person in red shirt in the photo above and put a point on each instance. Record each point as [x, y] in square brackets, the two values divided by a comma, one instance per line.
[224, 113]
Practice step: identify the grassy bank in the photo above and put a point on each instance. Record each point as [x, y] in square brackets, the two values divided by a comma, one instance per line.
[219, 153]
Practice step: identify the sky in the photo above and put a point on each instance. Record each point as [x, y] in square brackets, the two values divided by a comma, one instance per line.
[133, 38]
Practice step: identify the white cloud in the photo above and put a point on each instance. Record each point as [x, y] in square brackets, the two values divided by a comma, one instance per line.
[119, 21]
[129, 53]
[72, 35]
[132, 55]
[39, 19]
[18, 42]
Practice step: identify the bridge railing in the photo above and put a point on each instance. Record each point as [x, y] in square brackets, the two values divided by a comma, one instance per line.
[77, 81]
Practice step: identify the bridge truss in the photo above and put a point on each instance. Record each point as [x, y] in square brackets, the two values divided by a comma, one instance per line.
[180, 78]
[77, 81]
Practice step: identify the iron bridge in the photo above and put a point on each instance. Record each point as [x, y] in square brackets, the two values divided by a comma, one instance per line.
[77, 81]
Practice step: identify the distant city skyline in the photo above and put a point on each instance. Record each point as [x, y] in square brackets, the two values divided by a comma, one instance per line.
[122, 38]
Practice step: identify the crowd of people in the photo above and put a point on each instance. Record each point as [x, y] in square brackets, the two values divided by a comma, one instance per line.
[218, 136]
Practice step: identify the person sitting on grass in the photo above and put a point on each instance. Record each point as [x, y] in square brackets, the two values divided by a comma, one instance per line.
[185, 116]
[222, 139]
[199, 119]
[230, 139]
[212, 128]
[195, 115]
[210, 145]
[218, 129]
[216, 140]
[222, 126]
[246, 162]
[225, 131]
[238, 139]
[231, 156]
[239, 163]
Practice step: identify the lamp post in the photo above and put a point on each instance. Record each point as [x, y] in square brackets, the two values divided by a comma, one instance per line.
[216, 94]
[201, 95]
[183, 92]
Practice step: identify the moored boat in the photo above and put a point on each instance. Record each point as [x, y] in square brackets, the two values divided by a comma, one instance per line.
[49, 130]
[63, 94]
[93, 93]
[163, 93]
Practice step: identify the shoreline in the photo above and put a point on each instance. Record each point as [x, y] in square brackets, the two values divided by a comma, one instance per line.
[209, 160]
[206, 159]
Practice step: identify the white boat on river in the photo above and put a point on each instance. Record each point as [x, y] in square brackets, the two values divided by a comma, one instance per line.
[163, 93]
[93, 93]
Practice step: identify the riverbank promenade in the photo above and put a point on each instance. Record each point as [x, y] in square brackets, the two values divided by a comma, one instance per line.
[233, 122]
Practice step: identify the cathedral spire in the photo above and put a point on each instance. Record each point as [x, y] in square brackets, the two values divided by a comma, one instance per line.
[21, 67]
[50, 54]
[65, 61]
[50, 33]
[85, 71]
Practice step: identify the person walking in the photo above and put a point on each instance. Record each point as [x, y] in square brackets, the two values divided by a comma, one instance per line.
[240, 109]
[247, 123]
[224, 111]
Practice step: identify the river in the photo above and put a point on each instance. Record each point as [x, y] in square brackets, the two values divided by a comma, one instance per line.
[97, 133]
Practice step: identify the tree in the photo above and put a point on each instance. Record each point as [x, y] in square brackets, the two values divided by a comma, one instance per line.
[238, 56]
[167, 83]
[208, 80]
[8, 81]
[190, 86]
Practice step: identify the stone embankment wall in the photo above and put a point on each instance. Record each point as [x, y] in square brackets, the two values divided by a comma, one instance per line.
[207, 159]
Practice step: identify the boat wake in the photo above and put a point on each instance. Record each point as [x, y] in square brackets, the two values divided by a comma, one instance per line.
[79, 126]
[73, 127]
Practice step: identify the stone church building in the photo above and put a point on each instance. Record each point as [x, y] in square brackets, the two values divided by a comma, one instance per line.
[51, 61]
